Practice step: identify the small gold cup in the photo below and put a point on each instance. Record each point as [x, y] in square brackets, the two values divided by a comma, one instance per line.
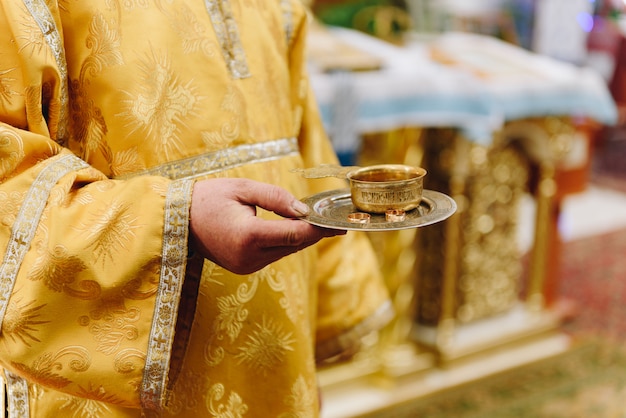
[379, 188]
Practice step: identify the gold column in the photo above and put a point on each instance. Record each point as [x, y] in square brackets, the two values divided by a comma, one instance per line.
[545, 141]
[452, 247]
[546, 191]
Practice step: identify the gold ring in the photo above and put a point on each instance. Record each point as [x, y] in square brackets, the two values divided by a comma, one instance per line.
[359, 218]
[395, 215]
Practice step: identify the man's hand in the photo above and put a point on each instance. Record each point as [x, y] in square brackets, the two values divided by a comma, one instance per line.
[225, 228]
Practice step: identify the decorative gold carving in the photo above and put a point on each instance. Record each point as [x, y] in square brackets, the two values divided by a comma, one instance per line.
[470, 267]
[482, 267]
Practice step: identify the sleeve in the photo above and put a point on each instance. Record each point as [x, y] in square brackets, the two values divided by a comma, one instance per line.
[353, 300]
[91, 269]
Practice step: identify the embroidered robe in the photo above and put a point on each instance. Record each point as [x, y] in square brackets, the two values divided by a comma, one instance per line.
[109, 111]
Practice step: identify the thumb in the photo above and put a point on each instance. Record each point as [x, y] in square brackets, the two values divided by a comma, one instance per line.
[272, 198]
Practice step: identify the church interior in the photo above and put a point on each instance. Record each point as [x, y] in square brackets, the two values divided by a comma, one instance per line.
[514, 305]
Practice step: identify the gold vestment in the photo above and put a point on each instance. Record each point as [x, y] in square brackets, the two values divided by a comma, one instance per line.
[109, 111]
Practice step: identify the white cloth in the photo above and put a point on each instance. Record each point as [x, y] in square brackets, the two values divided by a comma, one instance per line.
[488, 83]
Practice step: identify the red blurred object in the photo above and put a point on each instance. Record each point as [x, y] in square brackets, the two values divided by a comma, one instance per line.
[605, 35]
[609, 39]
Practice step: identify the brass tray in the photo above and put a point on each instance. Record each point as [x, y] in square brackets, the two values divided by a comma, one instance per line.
[331, 209]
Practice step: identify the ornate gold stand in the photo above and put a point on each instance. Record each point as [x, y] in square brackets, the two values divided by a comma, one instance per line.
[460, 287]
[471, 271]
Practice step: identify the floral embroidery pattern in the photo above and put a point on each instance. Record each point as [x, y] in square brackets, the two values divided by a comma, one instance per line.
[193, 33]
[113, 328]
[300, 402]
[234, 407]
[26, 222]
[160, 105]
[6, 92]
[265, 347]
[22, 320]
[11, 153]
[44, 368]
[58, 271]
[110, 230]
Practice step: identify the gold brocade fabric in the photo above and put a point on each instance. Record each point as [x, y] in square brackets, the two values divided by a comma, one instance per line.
[109, 111]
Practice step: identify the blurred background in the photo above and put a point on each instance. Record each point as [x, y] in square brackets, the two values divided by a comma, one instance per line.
[516, 305]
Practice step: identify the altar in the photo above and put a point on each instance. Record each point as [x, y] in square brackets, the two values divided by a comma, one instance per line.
[491, 123]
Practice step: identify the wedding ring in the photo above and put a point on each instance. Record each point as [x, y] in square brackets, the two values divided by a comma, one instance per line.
[395, 215]
[359, 218]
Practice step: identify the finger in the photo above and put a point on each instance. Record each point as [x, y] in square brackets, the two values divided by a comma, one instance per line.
[272, 254]
[268, 255]
[272, 198]
[289, 233]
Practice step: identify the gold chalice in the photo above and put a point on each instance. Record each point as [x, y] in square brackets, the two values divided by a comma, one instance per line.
[386, 187]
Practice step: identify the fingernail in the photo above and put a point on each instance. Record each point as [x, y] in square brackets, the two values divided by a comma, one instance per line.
[300, 207]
